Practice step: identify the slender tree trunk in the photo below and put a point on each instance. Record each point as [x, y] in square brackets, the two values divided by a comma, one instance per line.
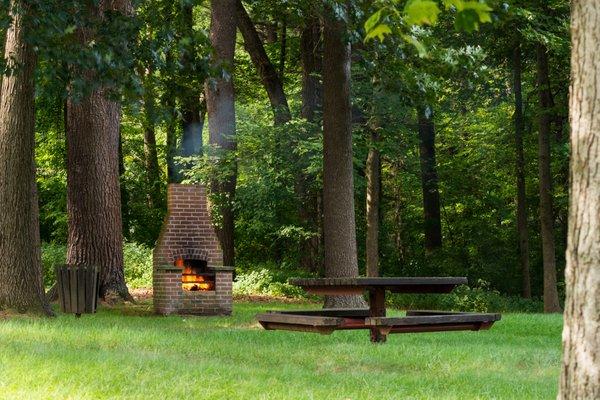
[168, 102]
[150, 153]
[373, 174]
[429, 181]
[21, 285]
[193, 109]
[283, 46]
[338, 182]
[311, 68]
[551, 303]
[580, 377]
[270, 79]
[220, 102]
[520, 172]
[93, 193]
[309, 212]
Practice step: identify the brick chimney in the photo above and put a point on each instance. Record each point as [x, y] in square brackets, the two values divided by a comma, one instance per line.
[188, 245]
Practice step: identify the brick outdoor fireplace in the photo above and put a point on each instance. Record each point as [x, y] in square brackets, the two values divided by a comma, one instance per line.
[188, 275]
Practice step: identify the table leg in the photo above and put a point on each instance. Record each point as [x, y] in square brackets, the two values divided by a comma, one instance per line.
[377, 309]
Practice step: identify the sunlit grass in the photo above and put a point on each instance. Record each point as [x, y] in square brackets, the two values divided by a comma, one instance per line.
[128, 353]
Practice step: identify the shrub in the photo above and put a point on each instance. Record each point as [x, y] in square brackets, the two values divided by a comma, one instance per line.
[52, 254]
[138, 263]
[464, 298]
[264, 282]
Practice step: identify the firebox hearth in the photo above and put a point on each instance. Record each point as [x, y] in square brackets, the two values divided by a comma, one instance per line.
[188, 274]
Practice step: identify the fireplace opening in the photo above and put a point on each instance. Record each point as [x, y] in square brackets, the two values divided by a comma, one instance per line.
[195, 276]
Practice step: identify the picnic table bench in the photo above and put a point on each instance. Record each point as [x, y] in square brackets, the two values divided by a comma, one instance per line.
[374, 318]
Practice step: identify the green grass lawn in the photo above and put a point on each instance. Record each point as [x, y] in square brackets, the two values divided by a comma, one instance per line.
[127, 353]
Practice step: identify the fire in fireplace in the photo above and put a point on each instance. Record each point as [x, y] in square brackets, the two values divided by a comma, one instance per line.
[195, 275]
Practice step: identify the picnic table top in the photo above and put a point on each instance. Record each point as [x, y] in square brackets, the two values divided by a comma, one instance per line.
[393, 284]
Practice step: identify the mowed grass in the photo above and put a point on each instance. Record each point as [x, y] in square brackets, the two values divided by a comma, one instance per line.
[128, 353]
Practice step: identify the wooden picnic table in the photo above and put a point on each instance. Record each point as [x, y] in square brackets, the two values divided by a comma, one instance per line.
[374, 318]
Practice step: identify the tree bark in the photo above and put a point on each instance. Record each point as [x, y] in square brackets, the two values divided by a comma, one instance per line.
[220, 104]
[551, 303]
[93, 193]
[373, 174]
[520, 173]
[338, 184]
[21, 285]
[270, 79]
[429, 181]
[580, 378]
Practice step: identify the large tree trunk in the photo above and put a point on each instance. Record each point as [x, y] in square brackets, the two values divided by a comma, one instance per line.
[551, 303]
[338, 184]
[580, 377]
[429, 181]
[220, 102]
[520, 172]
[373, 174]
[21, 285]
[270, 79]
[93, 194]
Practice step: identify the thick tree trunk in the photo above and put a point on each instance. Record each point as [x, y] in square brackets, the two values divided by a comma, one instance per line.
[21, 285]
[551, 303]
[373, 174]
[429, 181]
[270, 79]
[220, 102]
[338, 182]
[520, 172]
[580, 377]
[93, 193]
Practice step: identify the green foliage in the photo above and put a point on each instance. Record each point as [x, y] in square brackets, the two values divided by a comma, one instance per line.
[263, 282]
[471, 299]
[138, 263]
[388, 19]
[52, 255]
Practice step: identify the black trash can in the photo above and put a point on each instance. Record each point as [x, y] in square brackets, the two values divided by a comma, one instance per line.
[78, 288]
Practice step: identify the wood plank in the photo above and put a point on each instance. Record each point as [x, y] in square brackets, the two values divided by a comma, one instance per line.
[80, 290]
[336, 286]
[305, 320]
[329, 312]
[432, 319]
[323, 330]
[377, 310]
[373, 281]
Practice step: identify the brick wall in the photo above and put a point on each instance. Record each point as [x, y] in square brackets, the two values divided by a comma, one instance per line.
[188, 233]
